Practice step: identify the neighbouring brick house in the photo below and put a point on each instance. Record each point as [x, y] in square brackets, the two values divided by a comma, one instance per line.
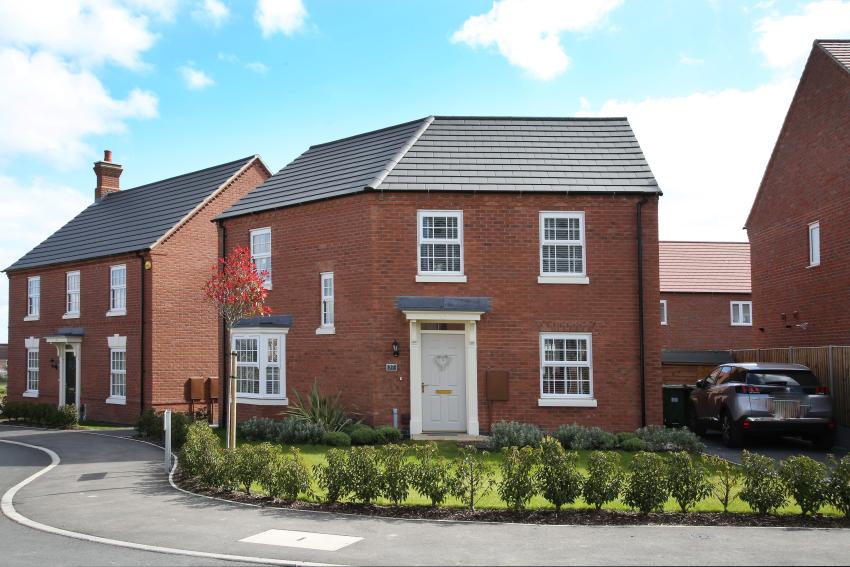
[4, 360]
[799, 225]
[706, 306]
[460, 271]
[108, 312]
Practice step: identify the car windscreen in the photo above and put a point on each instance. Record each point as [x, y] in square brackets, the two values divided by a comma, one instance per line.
[785, 378]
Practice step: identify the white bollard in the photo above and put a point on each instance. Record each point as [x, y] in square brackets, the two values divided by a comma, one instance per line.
[166, 425]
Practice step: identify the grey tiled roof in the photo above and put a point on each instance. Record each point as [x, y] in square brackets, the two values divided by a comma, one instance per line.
[445, 153]
[276, 321]
[437, 303]
[838, 49]
[130, 220]
[71, 332]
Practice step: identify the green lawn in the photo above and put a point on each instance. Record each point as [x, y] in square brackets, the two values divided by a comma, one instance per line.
[314, 454]
[2, 388]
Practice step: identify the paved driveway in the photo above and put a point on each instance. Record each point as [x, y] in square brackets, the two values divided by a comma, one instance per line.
[114, 488]
[778, 448]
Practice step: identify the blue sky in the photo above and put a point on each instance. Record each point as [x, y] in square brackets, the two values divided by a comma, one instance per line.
[171, 86]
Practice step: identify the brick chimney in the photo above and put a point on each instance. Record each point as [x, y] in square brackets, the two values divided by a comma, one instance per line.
[107, 176]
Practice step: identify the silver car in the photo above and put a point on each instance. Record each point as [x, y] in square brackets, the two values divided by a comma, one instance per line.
[745, 399]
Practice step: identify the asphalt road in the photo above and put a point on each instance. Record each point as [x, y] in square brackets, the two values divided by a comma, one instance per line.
[114, 488]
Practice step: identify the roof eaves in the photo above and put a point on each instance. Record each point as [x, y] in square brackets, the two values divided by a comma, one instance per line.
[199, 207]
[375, 183]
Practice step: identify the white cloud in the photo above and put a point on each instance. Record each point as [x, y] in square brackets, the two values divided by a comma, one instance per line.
[90, 32]
[195, 79]
[212, 12]
[50, 107]
[708, 152]
[283, 16]
[690, 61]
[528, 32]
[785, 40]
[25, 224]
[257, 67]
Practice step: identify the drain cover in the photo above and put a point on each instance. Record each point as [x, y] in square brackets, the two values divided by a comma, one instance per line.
[92, 476]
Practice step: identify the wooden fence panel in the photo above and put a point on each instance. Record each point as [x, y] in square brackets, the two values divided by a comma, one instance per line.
[830, 363]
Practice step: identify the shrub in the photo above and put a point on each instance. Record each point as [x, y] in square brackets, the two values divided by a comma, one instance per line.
[839, 484]
[431, 476]
[364, 474]
[633, 445]
[332, 477]
[150, 425]
[646, 488]
[388, 434]
[660, 438]
[336, 439]
[179, 427]
[362, 434]
[763, 489]
[200, 453]
[728, 477]
[251, 462]
[687, 480]
[604, 479]
[557, 477]
[12, 410]
[566, 434]
[396, 473]
[324, 412]
[805, 480]
[514, 434]
[595, 438]
[68, 416]
[517, 486]
[285, 476]
[624, 436]
[226, 476]
[258, 429]
[472, 477]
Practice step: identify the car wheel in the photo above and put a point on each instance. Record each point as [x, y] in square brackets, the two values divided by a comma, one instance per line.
[824, 442]
[730, 431]
[695, 424]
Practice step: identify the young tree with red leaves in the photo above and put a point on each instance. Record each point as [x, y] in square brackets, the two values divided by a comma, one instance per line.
[237, 291]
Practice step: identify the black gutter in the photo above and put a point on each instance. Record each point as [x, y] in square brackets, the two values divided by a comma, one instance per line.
[641, 314]
[224, 380]
[142, 334]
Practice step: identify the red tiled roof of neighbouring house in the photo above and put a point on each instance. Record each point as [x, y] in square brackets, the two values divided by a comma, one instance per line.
[705, 267]
[838, 49]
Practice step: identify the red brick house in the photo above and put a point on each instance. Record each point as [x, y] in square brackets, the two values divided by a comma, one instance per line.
[706, 306]
[456, 272]
[108, 313]
[799, 224]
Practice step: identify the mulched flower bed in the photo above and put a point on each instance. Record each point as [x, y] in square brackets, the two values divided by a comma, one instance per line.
[567, 517]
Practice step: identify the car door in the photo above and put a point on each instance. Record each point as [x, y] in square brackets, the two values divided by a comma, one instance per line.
[719, 391]
[700, 395]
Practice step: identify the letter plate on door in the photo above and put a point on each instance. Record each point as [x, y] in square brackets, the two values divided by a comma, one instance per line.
[442, 391]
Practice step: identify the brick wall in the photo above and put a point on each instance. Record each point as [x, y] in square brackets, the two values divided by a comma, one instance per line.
[184, 326]
[807, 180]
[702, 321]
[95, 355]
[369, 241]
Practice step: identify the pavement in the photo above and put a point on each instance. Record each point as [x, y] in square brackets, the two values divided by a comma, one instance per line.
[778, 448]
[114, 490]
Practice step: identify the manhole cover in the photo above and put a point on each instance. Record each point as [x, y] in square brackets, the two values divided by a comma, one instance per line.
[92, 476]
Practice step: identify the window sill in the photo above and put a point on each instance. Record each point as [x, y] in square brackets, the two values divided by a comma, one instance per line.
[440, 278]
[31, 318]
[567, 402]
[663, 324]
[577, 280]
[30, 394]
[117, 400]
[811, 266]
[326, 331]
[116, 312]
[71, 316]
[740, 324]
[262, 401]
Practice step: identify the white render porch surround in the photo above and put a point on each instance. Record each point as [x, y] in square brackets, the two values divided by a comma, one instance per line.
[470, 320]
[63, 343]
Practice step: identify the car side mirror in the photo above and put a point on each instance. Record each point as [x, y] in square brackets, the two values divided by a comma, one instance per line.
[701, 384]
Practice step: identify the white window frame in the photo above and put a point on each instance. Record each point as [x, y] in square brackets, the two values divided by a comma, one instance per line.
[262, 335]
[563, 277]
[33, 298]
[72, 311]
[664, 312]
[116, 310]
[33, 376]
[566, 400]
[117, 344]
[740, 305]
[438, 276]
[814, 244]
[256, 232]
[326, 307]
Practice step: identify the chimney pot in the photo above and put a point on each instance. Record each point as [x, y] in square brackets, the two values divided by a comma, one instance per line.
[107, 155]
[107, 174]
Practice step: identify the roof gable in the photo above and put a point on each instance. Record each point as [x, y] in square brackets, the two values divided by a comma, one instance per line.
[837, 49]
[130, 220]
[445, 153]
[704, 267]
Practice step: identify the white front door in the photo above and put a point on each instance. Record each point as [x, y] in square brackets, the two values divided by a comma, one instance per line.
[443, 382]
